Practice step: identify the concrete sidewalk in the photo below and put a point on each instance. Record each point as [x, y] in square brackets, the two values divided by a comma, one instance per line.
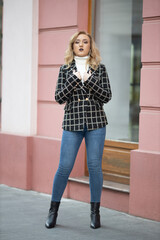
[23, 215]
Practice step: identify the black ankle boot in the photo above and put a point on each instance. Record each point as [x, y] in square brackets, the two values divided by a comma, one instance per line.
[95, 216]
[52, 215]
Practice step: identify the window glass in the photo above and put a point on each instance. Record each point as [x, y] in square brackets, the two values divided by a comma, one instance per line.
[117, 34]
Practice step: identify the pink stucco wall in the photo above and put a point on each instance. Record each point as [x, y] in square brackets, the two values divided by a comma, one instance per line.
[145, 162]
[15, 160]
[58, 20]
[45, 155]
[31, 162]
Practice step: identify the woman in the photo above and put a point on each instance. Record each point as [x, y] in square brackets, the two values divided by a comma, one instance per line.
[84, 86]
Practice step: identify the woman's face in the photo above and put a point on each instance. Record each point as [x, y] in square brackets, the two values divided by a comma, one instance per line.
[81, 46]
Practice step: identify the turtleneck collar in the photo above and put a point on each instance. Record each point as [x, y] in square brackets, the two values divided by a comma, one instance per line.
[76, 58]
[81, 65]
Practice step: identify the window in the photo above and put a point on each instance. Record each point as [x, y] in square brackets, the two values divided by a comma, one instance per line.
[117, 32]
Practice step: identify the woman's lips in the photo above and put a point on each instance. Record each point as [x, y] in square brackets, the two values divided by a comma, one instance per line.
[81, 49]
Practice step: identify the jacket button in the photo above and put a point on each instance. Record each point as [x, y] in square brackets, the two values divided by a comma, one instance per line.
[86, 99]
[79, 99]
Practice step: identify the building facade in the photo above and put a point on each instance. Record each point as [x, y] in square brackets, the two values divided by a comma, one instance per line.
[35, 37]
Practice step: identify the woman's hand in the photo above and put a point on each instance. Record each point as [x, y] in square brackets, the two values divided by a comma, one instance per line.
[77, 74]
[86, 75]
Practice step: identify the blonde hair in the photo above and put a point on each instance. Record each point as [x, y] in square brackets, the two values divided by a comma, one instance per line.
[94, 55]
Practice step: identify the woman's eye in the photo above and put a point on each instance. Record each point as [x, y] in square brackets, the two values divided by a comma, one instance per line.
[76, 42]
[86, 42]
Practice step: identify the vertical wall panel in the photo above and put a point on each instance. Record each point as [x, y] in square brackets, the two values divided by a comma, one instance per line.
[52, 46]
[151, 41]
[145, 162]
[57, 13]
[151, 8]
[19, 64]
[47, 83]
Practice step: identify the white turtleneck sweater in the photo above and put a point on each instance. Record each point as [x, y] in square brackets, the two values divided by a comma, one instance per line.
[81, 65]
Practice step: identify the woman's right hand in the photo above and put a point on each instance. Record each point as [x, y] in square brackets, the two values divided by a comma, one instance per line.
[77, 74]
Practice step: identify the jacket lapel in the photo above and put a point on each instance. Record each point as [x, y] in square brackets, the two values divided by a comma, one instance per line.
[72, 68]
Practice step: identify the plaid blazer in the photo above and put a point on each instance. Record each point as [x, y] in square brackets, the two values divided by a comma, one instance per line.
[84, 102]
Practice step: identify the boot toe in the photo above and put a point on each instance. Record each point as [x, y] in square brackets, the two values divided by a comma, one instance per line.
[95, 226]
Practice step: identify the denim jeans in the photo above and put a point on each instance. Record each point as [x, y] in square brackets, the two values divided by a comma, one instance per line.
[70, 144]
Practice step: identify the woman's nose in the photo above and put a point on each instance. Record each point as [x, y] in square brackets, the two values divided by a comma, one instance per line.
[81, 44]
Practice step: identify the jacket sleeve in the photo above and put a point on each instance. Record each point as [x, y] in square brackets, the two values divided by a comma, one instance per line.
[99, 84]
[65, 86]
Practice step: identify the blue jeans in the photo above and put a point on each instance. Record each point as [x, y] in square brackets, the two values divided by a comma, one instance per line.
[70, 144]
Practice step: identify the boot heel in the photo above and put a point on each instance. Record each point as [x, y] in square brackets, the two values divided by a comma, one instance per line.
[95, 216]
[52, 215]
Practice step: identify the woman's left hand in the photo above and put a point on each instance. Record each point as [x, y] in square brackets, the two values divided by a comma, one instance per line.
[86, 75]
[77, 74]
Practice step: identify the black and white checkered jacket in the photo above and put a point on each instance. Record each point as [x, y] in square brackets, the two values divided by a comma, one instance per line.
[84, 102]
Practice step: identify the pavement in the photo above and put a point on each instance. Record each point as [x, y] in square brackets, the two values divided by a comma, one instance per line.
[23, 214]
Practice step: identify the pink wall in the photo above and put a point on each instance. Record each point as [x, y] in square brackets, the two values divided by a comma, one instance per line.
[58, 20]
[45, 156]
[145, 162]
[15, 160]
[31, 162]
[145, 185]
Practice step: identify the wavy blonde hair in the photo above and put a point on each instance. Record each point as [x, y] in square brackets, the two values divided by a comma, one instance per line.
[94, 55]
